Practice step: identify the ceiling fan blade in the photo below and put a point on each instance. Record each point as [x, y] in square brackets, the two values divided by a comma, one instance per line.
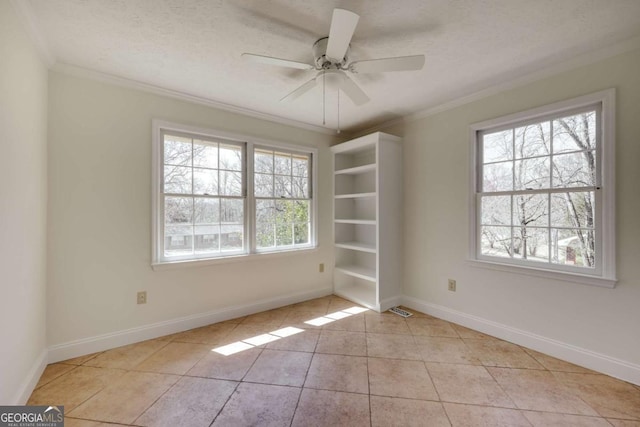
[353, 91]
[343, 25]
[277, 61]
[400, 63]
[300, 91]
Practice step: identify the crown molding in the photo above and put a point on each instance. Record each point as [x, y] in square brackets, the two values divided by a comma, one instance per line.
[30, 23]
[548, 71]
[86, 73]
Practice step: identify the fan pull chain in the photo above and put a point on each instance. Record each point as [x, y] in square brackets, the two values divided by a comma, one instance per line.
[324, 105]
[338, 111]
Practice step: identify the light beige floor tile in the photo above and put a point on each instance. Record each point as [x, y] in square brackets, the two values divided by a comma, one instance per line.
[323, 408]
[548, 419]
[259, 405]
[469, 333]
[232, 367]
[539, 391]
[304, 319]
[248, 332]
[125, 399]
[76, 422]
[53, 371]
[400, 378]
[342, 342]
[389, 411]
[211, 334]
[318, 306]
[190, 402]
[467, 384]
[271, 317]
[74, 387]
[175, 358]
[126, 357]
[431, 327]
[493, 352]
[280, 368]
[484, 416]
[445, 350]
[81, 359]
[623, 423]
[553, 364]
[303, 341]
[339, 304]
[339, 373]
[353, 323]
[610, 397]
[392, 346]
[388, 323]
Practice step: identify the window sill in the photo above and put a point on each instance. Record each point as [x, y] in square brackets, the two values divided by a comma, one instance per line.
[582, 279]
[173, 265]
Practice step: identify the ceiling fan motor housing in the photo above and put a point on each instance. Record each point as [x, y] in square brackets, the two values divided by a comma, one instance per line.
[322, 61]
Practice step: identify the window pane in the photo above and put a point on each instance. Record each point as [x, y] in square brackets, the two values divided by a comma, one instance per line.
[282, 186]
[177, 150]
[573, 247]
[284, 234]
[575, 132]
[532, 173]
[265, 235]
[230, 157]
[263, 161]
[533, 140]
[178, 240]
[301, 234]
[283, 163]
[497, 177]
[496, 241]
[178, 210]
[301, 166]
[265, 211]
[177, 179]
[531, 210]
[231, 211]
[284, 211]
[301, 211]
[205, 154]
[205, 181]
[496, 210]
[207, 238]
[300, 188]
[531, 244]
[573, 210]
[230, 183]
[231, 238]
[574, 170]
[207, 211]
[497, 146]
[263, 185]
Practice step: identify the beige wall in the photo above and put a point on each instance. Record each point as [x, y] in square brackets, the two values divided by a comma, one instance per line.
[436, 159]
[100, 216]
[23, 207]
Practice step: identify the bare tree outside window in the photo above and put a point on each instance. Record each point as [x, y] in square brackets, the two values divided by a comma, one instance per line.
[537, 196]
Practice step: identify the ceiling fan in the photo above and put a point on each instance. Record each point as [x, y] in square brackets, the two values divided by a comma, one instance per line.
[333, 63]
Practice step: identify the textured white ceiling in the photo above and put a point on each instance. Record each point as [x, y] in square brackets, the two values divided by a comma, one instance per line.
[194, 46]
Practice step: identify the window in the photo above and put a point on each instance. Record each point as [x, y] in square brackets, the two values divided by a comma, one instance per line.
[543, 189]
[217, 196]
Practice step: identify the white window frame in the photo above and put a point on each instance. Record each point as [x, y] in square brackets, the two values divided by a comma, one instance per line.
[605, 274]
[159, 261]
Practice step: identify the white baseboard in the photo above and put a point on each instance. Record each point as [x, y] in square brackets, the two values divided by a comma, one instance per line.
[608, 365]
[104, 342]
[390, 302]
[31, 380]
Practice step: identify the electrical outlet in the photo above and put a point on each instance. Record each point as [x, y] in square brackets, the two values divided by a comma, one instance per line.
[452, 285]
[142, 297]
[321, 268]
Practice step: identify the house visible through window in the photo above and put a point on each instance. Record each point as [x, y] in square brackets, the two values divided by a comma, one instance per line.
[540, 194]
[212, 201]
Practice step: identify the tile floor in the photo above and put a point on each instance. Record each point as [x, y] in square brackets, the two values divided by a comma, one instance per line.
[326, 362]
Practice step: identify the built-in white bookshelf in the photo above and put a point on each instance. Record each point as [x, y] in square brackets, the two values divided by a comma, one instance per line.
[367, 219]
